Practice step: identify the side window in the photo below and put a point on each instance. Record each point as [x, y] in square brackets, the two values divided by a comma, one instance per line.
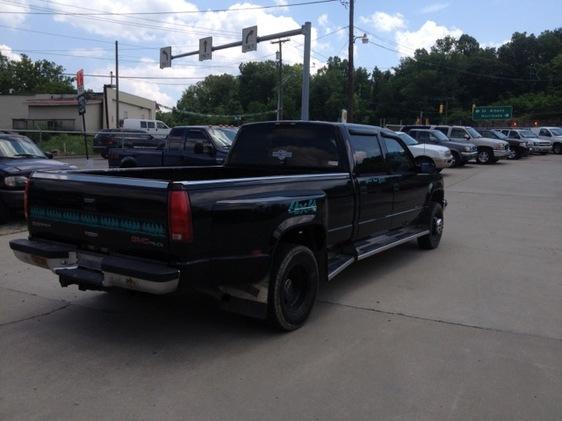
[398, 159]
[514, 135]
[458, 133]
[197, 142]
[544, 132]
[161, 125]
[367, 154]
[423, 137]
[150, 124]
[443, 130]
[143, 124]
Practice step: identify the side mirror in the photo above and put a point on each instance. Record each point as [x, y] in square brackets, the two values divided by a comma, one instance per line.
[198, 148]
[49, 155]
[426, 167]
[466, 137]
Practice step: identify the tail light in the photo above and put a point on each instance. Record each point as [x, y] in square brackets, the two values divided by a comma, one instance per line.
[26, 199]
[179, 216]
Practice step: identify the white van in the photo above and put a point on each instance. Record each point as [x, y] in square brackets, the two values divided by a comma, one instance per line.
[156, 128]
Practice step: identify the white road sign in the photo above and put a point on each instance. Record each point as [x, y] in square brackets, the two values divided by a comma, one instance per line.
[165, 57]
[206, 48]
[250, 39]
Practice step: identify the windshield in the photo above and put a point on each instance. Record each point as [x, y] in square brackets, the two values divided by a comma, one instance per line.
[19, 147]
[440, 135]
[556, 132]
[407, 139]
[473, 133]
[527, 134]
[221, 140]
[230, 133]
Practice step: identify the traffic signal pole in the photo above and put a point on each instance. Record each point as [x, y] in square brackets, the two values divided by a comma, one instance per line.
[303, 30]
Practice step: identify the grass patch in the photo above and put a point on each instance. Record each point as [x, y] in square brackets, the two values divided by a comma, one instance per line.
[67, 144]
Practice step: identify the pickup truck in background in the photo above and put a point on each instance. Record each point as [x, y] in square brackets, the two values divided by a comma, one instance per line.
[489, 150]
[440, 156]
[185, 145]
[294, 204]
[553, 134]
[106, 139]
[536, 145]
[519, 147]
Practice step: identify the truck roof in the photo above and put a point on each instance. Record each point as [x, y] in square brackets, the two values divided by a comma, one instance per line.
[348, 126]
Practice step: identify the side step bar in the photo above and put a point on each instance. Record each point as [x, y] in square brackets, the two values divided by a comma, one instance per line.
[369, 247]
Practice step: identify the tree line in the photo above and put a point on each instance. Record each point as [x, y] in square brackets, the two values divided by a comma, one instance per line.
[442, 84]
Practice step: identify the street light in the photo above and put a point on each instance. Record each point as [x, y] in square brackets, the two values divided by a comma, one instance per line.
[352, 39]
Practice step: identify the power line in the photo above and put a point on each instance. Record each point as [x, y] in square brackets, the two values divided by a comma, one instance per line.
[141, 77]
[170, 12]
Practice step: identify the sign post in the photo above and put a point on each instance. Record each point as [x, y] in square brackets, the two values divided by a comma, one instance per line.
[206, 48]
[250, 39]
[499, 112]
[81, 98]
[165, 57]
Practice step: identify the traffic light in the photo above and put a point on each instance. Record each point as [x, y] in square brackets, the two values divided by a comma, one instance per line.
[441, 107]
[81, 104]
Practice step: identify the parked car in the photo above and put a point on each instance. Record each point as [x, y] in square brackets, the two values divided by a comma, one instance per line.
[440, 156]
[489, 150]
[295, 204]
[185, 145]
[462, 152]
[19, 157]
[156, 128]
[122, 138]
[518, 147]
[554, 134]
[537, 146]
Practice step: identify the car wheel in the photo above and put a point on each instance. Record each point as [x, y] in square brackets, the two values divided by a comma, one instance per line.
[557, 148]
[292, 287]
[436, 225]
[128, 163]
[484, 156]
[456, 160]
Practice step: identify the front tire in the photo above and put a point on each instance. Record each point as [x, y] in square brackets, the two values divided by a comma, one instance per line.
[436, 223]
[293, 287]
[485, 156]
[557, 148]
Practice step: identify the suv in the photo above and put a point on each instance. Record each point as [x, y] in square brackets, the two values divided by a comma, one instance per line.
[536, 145]
[489, 150]
[462, 151]
[519, 147]
[554, 134]
[118, 138]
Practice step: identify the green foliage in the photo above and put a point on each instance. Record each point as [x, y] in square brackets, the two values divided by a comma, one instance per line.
[32, 77]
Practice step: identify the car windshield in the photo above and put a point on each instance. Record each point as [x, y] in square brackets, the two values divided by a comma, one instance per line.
[440, 135]
[407, 139]
[473, 133]
[19, 147]
[556, 132]
[221, 140]
[527, 134]
[494, 134]
[230, 133]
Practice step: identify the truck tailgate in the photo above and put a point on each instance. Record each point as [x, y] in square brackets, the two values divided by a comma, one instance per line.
[100, 213]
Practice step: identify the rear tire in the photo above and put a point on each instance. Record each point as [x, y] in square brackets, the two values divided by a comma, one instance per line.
[436, 223]
[557, 148]
[128, 163]
[293, 287]
[457, 161]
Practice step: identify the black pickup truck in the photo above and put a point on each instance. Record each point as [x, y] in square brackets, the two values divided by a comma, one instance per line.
[295, 204]
[185, 145]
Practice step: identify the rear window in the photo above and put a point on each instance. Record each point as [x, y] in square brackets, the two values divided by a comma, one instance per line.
[291, 146]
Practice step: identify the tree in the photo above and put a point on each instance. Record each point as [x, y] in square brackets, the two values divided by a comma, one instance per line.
[33, 77]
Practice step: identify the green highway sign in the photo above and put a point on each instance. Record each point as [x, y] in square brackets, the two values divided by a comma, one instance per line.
[498, 112]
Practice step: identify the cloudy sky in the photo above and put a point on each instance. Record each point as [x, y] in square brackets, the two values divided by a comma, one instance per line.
[84, 34]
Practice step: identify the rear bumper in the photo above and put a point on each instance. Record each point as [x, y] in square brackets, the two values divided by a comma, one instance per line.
[96, 271]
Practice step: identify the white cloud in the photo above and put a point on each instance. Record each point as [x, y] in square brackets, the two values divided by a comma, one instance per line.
[434, 8]
[424, 37]
[282, 3]
[92, 52]
[7, 52]
[384, 22]
[12, 19]
[322, 20]
[493, 44]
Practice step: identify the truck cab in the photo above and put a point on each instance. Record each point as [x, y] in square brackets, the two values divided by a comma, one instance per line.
[552, 134]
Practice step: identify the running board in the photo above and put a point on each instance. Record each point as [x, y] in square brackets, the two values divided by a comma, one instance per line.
[337, 264]
[375, 248]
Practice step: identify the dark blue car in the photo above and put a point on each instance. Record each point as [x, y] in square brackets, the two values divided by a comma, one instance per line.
[19, 157]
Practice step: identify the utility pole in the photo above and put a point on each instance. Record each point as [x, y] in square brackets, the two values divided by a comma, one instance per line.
[350, 63]
[280, 77]
[116, 84]
[110, 77]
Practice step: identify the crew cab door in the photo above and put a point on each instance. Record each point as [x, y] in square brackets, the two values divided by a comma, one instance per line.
[410, 188]
[173, 154]
[374, 182]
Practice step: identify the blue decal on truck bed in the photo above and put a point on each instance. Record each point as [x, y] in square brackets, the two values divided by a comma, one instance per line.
[303, 207]
[131, 226]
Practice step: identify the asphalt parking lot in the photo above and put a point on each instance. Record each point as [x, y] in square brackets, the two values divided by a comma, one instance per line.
[472, 330]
